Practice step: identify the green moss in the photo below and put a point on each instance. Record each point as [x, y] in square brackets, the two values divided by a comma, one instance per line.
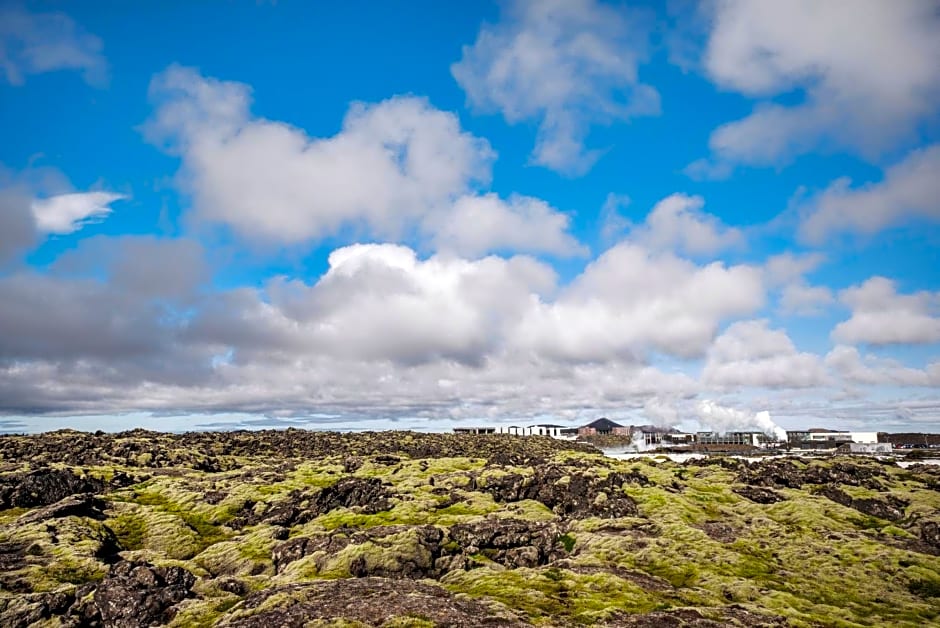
[130, 530]
[11, 514]
[249, 554]
[77, 572]
[548, 595]
[160, 497]
[385, 556]
[567, 542]
[203, 613]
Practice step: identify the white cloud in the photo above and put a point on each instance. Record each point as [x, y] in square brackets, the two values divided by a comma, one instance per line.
[872, 370]
[909, 189]
[382, 302]
[805, 300]
[868, 69]
[787, 271]
[33, 43]
[677, 223]
[567, 64]
[630, 301]
[66, 213]
[788, 267]
[396, 167]
[749, 353]
[392, 161]
[478, 224]
[382, 332]
[881, 316]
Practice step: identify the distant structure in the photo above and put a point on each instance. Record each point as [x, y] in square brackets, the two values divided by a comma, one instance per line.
[754, 439]
[542, 429]
[651, 436]
[819, 438]
[603, 426]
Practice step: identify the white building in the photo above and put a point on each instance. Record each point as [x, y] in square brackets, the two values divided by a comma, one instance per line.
[542, 429]
[843, 437]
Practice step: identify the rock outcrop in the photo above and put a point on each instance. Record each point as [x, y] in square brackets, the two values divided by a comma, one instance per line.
[368, 601]
[138, 594]
[43, 487]
[568, 494]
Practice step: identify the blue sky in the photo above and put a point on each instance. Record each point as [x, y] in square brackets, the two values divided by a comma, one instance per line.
[424, 214]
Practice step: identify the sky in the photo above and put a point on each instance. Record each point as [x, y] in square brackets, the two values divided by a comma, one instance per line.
[370, 215]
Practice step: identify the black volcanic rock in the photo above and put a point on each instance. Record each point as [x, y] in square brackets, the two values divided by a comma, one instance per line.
[567, 494]
[43, 487]
[138, 594]
[370, 601]
[759, 495]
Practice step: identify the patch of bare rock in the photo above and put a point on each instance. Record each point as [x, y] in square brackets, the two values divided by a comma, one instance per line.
[370, 601]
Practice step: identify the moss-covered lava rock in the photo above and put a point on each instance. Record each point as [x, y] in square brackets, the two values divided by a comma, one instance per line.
[299, 528]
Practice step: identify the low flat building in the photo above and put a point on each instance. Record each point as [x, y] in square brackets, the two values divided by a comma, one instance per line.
[819, 435]
[755, 439]
[474, 430]
[542, 429]
[663, 437]
[547, 429]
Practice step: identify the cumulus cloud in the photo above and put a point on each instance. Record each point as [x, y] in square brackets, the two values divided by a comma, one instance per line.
[787, 272]
[567, 64]
[750, 353]
[382, 302]
[852, 366]
[909, 189]
[881, 316]
[629, 301]
[391, 161]
[677, 223]
[789, 267]
[479, 224]
[805, 300]
[382, 331]
[395, 167]
[725, 419]
[867, 70]
[65, 213]
[33, 43]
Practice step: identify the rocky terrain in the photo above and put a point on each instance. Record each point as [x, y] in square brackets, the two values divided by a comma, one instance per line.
[295, 528]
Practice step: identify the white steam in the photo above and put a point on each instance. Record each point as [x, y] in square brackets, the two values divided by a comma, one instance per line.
[723, 419]
[638, 441]
[661, 413]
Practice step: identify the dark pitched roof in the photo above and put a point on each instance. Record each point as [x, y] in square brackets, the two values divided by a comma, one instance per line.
[603, 424]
